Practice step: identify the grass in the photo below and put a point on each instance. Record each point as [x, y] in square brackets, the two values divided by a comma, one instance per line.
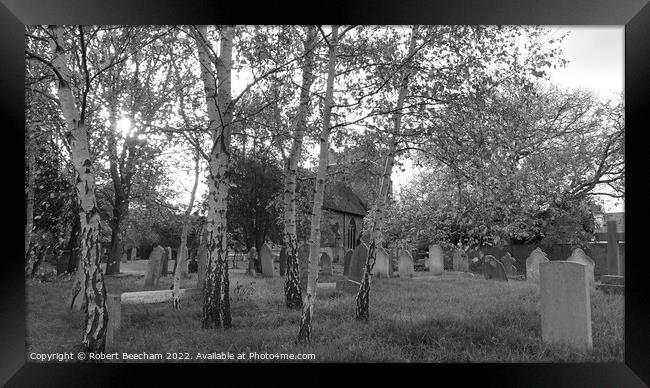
[454, 319]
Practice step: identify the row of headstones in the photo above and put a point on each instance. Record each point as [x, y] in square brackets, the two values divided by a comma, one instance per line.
[157, 266]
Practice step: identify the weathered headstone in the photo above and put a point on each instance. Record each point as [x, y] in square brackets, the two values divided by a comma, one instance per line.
[382, 264]
[303, 265]
[202, 258]
[283, 261]
[154, 267]
[493, 269]
[347, 258]
[509, 264]
[579, 256]
[124, 257]
[532, 264]
[266, 259]
[134, 252]
[358, 262]
[405, 264]
[325, 264]
[435, 260]
[564, 304]
[163, 262]
[460, 261]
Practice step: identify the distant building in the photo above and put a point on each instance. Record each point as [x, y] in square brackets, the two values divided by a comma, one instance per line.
[343, 213]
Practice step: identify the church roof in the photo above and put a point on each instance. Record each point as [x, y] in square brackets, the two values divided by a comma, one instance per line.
[340, 197]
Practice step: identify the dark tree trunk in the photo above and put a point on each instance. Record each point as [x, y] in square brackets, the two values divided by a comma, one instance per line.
[73, 246]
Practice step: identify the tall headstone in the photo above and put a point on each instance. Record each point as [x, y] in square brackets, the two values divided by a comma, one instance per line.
[325, 264]
[164, 261]
[134, 251]
[283, 261]
[613, 265]
[154, 267]
[382, 264]
[579, 256]
[266, 259]
[435, 260]
[202, 259]
[405, 265]
[564, 304]
[303, 265]
[532, 264]
[460, 261]
[493, 269]
[358, 262]
[347, 258]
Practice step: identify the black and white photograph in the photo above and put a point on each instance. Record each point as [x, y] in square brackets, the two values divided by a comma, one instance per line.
[324, 193]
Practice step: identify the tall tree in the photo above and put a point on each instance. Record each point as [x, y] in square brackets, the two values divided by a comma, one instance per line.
[94, 334]
[309, 299]
[293, 296]
[216, 304]
[363, 296]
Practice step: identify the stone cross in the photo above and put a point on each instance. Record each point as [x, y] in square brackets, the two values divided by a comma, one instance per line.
[405, 265]
[564, 304]
[435, 260]
[532, 264]
[266, 259]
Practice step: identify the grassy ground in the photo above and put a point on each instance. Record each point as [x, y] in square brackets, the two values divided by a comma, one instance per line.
[454, 319]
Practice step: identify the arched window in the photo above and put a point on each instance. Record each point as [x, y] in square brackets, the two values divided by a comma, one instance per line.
[352, 234]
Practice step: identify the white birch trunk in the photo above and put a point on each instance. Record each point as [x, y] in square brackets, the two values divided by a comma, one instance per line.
[309, 299]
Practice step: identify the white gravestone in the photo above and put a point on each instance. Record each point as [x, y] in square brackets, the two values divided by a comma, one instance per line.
[435, 260]
[532, 264]
[405, 265]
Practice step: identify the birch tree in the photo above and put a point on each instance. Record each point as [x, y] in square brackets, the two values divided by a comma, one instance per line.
[309, 299]
[216, 304]
[363, 295]
[292, 290]
[93, 339]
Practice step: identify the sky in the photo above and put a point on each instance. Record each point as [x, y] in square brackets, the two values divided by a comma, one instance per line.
[596, 62]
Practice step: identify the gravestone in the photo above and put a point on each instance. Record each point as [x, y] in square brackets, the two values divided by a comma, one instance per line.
[124, 257]
[405, 265]
[564, 304]
[303, 265]
[134, 251]
[460, 261]
[435, 260]
[163, 262]
[283, 261]
[382, 264]
[532, 264]
[154, 267]
[325, 264]
[509, 264]
[202, 263]
[347, 258]
[579, 256]
[493, 269]
[266, 259]
[358, 262]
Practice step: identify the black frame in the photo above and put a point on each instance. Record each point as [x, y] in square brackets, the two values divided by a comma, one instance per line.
[634, 14]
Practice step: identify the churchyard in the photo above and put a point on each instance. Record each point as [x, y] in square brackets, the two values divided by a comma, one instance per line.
[454, 317]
